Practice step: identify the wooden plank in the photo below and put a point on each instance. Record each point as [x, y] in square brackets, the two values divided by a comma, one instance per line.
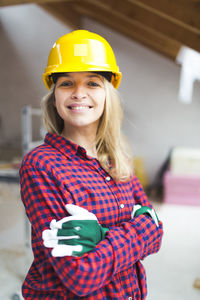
[185, 11]
[130, 9]
[64, 12]
[16, 2]
[130, 28]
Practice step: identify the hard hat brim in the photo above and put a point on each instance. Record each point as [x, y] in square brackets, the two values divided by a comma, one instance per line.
[115, 80]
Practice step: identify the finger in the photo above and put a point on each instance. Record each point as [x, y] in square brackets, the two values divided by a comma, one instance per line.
[50, 243]
[53, 224]
[65, 250]
[56, 234]
[49, 234]
[67, 221]
[71, 231]
[135, 208]
[58, 224]
[67, 240]
[76, 210]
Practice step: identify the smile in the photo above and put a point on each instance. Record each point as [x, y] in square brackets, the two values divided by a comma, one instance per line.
[79, 107]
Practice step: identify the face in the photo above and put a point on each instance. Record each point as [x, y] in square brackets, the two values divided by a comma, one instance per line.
[80, 99]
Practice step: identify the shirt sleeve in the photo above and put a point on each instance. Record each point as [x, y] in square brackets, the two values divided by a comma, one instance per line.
[139, 194]
[44, 199]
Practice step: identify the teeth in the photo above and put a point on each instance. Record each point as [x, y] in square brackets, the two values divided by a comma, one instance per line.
[79, 107]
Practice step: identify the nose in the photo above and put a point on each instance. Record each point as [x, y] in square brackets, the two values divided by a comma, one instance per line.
[79, 92]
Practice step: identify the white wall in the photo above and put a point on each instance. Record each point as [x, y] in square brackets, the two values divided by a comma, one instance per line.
[27, 34]
[154, 119]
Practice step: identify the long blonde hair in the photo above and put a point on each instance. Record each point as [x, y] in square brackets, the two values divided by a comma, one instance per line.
[113, 150]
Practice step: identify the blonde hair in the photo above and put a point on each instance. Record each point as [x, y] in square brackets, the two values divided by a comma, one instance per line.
[113, 150]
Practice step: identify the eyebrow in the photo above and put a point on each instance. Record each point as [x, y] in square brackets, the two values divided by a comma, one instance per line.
[95, 75]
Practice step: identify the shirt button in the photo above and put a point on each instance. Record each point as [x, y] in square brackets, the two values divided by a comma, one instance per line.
[122, 205]
[108, 178]
[130, 298]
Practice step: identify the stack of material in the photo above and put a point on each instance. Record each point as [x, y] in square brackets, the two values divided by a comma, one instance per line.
[182, 181]
[9, 171]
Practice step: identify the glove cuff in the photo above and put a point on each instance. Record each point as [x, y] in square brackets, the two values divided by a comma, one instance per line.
[103, 232]
[147, 210]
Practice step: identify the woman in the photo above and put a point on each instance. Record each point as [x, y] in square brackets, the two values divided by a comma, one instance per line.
[91, 221]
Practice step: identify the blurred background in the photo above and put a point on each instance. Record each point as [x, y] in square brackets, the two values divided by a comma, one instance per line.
[156, 44]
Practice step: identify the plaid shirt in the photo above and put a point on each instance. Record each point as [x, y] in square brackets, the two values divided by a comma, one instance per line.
[60, 172]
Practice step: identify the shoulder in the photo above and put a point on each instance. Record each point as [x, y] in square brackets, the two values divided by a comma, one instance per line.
[43, 155]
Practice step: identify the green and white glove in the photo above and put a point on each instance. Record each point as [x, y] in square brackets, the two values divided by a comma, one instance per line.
[140, 210]
[74, 235]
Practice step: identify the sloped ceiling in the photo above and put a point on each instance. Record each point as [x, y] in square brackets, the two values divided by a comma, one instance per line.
[162, 25]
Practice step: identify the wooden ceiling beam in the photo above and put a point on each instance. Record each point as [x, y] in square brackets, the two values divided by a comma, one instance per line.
[64, 12]
[133, 10]
[130, 28]
[163, 25]
[181, 10]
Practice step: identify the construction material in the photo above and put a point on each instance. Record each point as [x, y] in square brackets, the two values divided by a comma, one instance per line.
[185, 161]
[182, 189]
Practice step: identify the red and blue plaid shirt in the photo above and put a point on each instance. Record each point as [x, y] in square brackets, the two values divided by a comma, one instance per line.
[60, 172]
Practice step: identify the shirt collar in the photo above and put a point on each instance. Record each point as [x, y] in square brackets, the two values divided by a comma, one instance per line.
[65, 146]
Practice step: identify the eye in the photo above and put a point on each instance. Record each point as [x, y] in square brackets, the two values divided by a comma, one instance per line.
[66, 83]
[93, 83]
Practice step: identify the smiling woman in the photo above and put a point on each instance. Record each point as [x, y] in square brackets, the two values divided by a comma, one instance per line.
[91, 220]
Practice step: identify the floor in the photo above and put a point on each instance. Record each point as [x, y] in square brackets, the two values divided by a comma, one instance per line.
[170, 273]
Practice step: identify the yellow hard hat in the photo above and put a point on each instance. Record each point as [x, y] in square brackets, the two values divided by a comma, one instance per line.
[81, 51]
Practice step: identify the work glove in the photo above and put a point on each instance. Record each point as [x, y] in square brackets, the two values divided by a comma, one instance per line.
[74, 235]
[140, 210]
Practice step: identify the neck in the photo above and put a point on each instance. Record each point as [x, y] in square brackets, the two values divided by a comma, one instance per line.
[83, 138]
